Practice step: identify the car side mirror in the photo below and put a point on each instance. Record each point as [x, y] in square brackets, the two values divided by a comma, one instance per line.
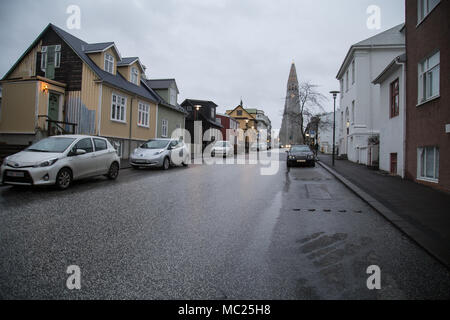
[80, 152]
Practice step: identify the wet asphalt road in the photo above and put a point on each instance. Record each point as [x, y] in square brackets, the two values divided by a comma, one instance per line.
[207, 232]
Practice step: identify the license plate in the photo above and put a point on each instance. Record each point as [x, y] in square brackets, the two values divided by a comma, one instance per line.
[301, 161]
[15, 174]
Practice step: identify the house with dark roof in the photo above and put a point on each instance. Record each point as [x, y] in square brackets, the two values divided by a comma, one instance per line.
[203, 112]
[170, 116]
[62, 84]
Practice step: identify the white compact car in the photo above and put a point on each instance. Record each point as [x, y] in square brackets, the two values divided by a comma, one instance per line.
[59, 160]
[222, 149]
[161, 153]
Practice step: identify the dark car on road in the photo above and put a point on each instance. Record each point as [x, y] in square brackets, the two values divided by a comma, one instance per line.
[300, 155]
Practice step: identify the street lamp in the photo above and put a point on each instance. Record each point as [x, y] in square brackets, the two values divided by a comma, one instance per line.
[334, 93]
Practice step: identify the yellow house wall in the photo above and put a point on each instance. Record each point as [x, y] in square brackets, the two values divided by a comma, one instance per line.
[90, 91]
[27, 67]
[99, 58]
[125, 71]
[18, 112]
[110, 128]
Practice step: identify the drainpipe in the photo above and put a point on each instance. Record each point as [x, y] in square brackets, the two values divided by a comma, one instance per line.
[130, 137]
[403, 65]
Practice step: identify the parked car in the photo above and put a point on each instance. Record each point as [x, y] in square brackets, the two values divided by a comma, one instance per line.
[223, 149]
[261, 146]
[300, 155]
[59, 160]
[161, 153]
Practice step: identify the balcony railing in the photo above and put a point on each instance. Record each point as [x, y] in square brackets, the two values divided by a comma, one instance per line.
[55, 128]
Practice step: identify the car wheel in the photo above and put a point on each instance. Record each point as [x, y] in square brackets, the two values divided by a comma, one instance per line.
[64, 179]
[185, 162]
[166, 164]
[113, 172]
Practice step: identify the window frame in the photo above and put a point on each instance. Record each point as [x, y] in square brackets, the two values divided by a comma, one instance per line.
[421, 14]
[353, 72]
[143, 114]
[421, 166]
[102, 140]
[107, 61]
[424, 71]
[394, 92]
[164, 128]
[134, 72]
[123, 110]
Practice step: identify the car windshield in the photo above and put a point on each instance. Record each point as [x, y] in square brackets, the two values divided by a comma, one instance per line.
[51, 145]
[221, 144]
[300, 149]
[155, 144]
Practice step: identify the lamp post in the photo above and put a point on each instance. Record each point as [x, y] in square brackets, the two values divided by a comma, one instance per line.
[334, 93]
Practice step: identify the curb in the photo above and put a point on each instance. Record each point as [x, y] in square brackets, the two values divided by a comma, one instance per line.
[430, 245]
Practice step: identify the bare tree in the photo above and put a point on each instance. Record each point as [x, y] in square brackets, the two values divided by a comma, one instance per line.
[311, 105]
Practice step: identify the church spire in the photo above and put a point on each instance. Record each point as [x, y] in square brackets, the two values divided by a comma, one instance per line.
[293, 80]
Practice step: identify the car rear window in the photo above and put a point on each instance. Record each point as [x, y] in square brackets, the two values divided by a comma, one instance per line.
[100, 144]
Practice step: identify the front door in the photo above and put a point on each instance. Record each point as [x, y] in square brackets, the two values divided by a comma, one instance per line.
[53, 107]
[393, 164]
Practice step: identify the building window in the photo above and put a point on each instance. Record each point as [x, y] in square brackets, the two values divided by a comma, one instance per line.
[57, 56]
[164, 128]
[395, 99]
[173, 97]
[43, 58]
[424, 7]
[353, 111]
[143, 115]
[428, 163]
[213, 113]
[134, 75]
[342, 87]
[353, 72]
[109, 63]
[239, 113]
[346, 81]
[118, 108]
[429, 70]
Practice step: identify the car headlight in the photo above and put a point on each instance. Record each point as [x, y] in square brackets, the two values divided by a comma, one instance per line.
[4, 161]
[47, 163]
[160, 151]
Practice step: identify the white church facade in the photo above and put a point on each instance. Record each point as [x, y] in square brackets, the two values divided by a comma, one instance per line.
[360, 111]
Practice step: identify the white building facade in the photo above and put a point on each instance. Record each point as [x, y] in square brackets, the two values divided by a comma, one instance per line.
[393, 116]
[325, 134]
[360, 112]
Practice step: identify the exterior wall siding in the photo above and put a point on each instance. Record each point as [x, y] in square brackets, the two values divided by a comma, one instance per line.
[426, 123]
[19, 107]
[27, 67]
[173, 117]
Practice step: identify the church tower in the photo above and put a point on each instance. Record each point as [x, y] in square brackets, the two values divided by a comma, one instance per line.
[290, 132]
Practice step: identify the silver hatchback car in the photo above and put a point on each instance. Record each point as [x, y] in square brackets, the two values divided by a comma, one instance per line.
[161, 153]
[61, 159]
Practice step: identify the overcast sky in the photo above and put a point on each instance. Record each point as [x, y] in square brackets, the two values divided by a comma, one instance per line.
[219, 50]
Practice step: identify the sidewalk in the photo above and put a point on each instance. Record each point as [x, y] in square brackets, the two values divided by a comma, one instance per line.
[419, 211]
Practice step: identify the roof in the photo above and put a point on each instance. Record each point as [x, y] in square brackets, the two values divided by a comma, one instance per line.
[98, 47]
[394, 37]
[204, 103]
[78, 46]
[162, 83]
[391, 67]
[128, 61]
[162, 102]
